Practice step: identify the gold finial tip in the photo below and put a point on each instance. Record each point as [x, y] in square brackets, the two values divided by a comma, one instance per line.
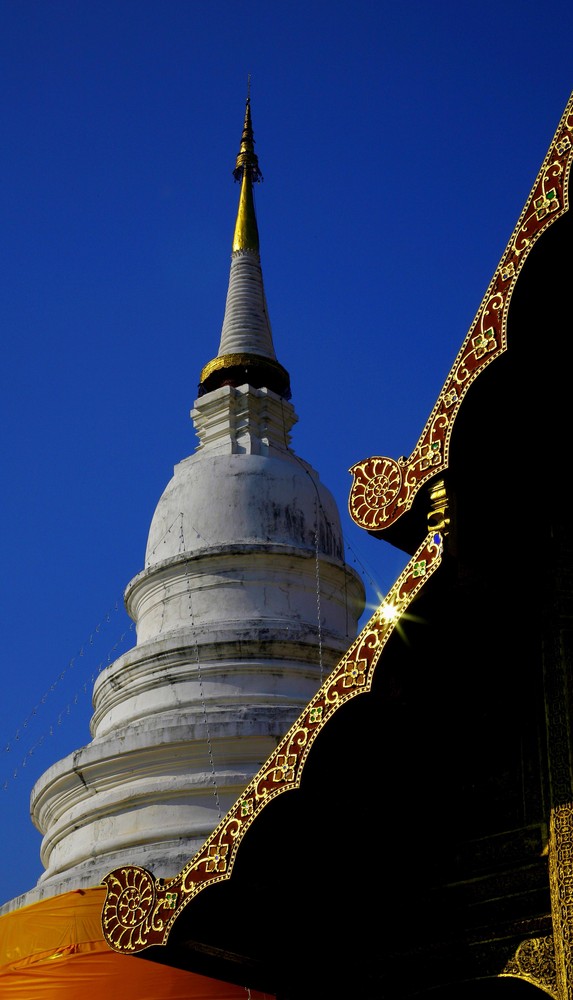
[247, 160]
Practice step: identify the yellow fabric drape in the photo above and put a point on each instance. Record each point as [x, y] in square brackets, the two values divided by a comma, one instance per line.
[55, 950]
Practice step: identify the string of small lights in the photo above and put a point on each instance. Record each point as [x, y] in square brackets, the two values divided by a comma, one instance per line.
[15, 747]
[317, 574]
[164, 537]
[17, 753]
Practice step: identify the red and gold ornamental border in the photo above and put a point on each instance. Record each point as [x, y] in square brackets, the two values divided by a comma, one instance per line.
[140, 910]
[383, 489]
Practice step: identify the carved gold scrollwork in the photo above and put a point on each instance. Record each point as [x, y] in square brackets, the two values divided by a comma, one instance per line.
[139, 911]
[376, 488]
[561, 884]
[534, 961]
[130, 907]
[383, 489]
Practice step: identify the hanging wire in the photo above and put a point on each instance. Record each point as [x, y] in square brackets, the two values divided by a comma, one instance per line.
[16, 742]
[317, 574]
[366, 573]
[163, 539]
[376, 590]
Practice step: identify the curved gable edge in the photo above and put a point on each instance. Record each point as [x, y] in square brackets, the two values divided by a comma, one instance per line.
[384, 489]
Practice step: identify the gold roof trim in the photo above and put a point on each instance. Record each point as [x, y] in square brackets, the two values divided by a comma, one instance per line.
[383, 489]
[140, 910]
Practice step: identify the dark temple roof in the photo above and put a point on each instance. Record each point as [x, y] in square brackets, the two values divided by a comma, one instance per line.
[410, 835]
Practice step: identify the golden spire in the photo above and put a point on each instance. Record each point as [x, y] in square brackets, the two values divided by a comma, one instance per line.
[246, 170]
[246, 351]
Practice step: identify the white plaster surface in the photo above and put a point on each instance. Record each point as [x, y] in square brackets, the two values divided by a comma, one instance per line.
[246, 326]
[244, 605]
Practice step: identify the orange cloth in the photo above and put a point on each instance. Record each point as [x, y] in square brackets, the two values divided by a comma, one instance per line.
[55, 950]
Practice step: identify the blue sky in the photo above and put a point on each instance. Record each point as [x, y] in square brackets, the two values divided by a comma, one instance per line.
[398, 143]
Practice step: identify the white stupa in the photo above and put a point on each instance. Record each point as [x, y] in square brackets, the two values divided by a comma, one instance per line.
[244, 604]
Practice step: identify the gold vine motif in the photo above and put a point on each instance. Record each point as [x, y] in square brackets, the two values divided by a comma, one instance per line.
[561, 883]
[383, 489]
[534, 962]
[140, 910]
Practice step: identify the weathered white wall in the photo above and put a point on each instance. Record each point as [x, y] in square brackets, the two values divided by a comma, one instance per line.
[244, 605]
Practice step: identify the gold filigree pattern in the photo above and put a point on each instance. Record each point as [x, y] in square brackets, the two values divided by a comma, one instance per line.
[382, 489]
[139, 910]
[131, 905]
[378, 483]
[534, 962]
[561, 882]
